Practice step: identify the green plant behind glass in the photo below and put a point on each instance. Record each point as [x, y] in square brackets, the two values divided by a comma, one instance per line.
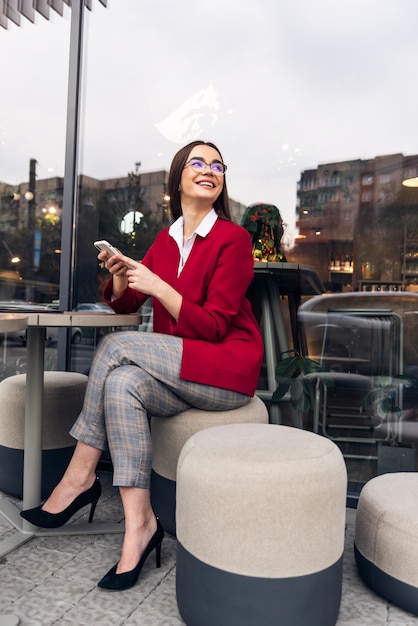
[295, 374]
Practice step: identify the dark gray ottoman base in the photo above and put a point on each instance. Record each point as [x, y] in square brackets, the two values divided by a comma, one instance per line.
[203, 591]
[54, 464]
[403, 595]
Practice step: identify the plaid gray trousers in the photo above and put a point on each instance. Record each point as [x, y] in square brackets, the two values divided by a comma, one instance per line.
[135, 375]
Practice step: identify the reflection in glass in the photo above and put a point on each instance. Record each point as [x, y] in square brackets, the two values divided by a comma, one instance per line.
[325, 136]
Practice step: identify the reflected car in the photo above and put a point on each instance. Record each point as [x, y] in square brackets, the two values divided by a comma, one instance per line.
[92, 335]
[98, 307]
[102, 307]
[51, 337]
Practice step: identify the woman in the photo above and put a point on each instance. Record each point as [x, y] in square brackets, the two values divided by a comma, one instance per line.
[205, 352]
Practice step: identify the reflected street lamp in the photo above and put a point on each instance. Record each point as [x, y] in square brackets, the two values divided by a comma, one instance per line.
[410, 182]
[12, 257]
[28, 196]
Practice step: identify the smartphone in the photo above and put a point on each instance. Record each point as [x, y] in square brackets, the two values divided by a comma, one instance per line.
[105, 246]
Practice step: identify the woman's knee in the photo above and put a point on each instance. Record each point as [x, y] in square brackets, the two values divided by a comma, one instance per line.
[126, 379]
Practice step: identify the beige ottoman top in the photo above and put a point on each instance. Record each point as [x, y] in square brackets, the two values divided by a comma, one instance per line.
[63, 400]
[275, 492]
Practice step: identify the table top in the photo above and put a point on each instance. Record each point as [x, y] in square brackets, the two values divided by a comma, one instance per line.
[292, 278]
[85, 318]
[9, 322]
[68, 319]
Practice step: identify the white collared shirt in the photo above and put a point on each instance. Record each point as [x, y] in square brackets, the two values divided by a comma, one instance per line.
[176, 232]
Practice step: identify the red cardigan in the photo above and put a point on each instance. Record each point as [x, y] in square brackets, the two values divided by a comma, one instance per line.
[222, 344]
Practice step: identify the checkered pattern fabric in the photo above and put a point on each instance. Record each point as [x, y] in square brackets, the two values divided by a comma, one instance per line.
[135, 375]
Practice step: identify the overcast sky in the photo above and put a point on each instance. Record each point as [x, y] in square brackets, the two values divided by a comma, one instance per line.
[280, 86]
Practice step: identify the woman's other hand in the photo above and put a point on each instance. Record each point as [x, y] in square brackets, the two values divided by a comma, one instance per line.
[142, 279]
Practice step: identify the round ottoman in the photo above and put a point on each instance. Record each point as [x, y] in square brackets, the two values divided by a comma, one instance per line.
[260, 527]
[169, 434]
[63, 400]
[386, 538]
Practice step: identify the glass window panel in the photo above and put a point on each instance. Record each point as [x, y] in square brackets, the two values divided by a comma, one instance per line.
[32, 148]
[311, 105]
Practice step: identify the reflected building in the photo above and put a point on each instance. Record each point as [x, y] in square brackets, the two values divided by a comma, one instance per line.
[49, 196]
[357, 223]
[147, 189]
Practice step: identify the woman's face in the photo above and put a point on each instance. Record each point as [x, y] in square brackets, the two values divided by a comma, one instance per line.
[200, 181]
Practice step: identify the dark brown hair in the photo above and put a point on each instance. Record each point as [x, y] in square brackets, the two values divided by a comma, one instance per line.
[221, 204]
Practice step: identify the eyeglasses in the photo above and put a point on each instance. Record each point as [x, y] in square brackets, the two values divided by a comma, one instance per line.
[199, 166]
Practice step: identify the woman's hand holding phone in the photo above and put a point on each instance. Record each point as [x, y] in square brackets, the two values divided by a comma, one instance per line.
[129, 273]
[104, 246]
[117, 264]
[106, 254]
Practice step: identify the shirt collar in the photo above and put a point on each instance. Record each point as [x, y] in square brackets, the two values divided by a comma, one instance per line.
[204, 228]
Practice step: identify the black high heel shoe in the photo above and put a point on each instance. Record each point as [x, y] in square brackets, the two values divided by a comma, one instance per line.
[126, 580]
[43, 519]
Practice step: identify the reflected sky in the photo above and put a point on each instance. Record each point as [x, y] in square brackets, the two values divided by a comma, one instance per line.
[280, 86]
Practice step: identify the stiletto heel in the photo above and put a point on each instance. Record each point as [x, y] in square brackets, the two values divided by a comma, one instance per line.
[126, 580]
[43, 519]
[92, 511]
